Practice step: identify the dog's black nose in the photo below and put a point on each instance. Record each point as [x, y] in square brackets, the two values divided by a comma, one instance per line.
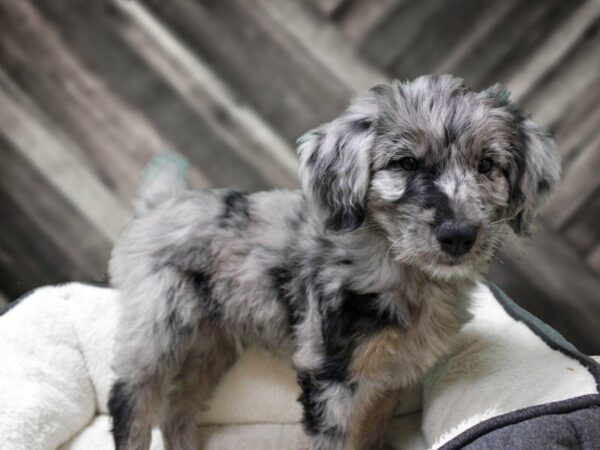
[455, 238]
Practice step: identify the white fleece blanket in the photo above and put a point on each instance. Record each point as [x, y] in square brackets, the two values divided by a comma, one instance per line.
[55, 376]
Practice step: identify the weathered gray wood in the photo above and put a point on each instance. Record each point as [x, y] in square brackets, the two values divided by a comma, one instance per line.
[359, 18]
[561, 41]
[556, 314]
[246, 133]
[549, 265]
[446, 31]
[323, 41]
[582, 230]
[479, 30]
[463, 37]
[396, 31]
[91, 31]
[79, 241]
[3, 300]
[508, 43]
[90, 90]
[51, 213]
[288, 87]
[579, 183]
[579, 71]
[112, 139]
[55, 157]
[43, 237]
[25, 262]
[528, 28]
[594, 258]
[579, 124]
[329, 7]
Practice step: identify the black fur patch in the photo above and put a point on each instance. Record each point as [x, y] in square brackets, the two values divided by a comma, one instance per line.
[120, 406]
[202, 285]
[361, 126]
[516, 170]
[421, 188]
[358, 316]
[179, 330]
[345, 213]
[313, 158]
[346, 219]
[380, 89]
[450, 135]
[514, 174]
[296, 221]
[543, 187]
[312, 407]
[236, 211]
[282, 278]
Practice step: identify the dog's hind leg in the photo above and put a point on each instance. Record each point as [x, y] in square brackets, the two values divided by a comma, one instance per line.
[157, 327]
[211, 354]
[137, 399]
[132, 408]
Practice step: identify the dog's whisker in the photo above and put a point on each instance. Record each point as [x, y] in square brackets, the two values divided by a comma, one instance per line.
[390, 247]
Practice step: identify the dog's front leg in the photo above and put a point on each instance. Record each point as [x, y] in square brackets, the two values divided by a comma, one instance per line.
[328, 409]
[369, 426]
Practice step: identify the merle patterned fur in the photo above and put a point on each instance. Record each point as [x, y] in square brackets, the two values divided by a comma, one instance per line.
[350, 277]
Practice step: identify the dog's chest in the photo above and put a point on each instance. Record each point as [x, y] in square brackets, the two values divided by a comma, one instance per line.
[397, 355]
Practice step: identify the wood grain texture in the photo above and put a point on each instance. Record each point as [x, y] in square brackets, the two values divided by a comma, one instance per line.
[580, 182]
[92, 32]
[447, 30]
[54, 156]
[246, 134]
[537, 301]
[44, 238]
[329, 7]
[577, 73]
[360, 17]
[89, 91]
[393, 35]
[582, 230]
[594, 258]
[324, 42]
[113, 139]
[286, 82]
[548, 265]
[3, 300]
[562, 40]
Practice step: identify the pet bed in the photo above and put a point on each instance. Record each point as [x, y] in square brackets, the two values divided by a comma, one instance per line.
[511, 382]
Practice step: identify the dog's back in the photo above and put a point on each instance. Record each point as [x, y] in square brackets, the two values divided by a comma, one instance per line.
[223, 244]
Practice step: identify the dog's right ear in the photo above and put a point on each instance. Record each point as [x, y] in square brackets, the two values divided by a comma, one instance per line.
[335, 164]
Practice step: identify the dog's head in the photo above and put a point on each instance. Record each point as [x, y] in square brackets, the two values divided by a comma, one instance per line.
[439, 168]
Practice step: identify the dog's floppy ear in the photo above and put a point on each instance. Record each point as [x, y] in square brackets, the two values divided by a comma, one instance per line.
[535, 170]
[335, 165]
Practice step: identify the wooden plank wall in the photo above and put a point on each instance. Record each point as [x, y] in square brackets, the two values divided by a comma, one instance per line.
[89, 91]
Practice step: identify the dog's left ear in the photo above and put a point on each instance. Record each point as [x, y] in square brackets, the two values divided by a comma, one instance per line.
[335, 165]
[535, 170]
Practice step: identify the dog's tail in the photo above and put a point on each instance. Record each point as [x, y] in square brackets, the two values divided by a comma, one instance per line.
[163, 177]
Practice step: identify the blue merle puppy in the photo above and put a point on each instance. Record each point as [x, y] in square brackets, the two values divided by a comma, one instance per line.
[362, 277]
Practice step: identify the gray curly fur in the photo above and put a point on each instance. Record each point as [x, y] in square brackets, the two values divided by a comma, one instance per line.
[346, 276]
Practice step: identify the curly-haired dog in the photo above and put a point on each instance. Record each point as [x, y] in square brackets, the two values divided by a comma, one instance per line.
[362, 277]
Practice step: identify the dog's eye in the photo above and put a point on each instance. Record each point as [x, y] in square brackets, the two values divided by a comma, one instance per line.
[485, 165]
[407, 163]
